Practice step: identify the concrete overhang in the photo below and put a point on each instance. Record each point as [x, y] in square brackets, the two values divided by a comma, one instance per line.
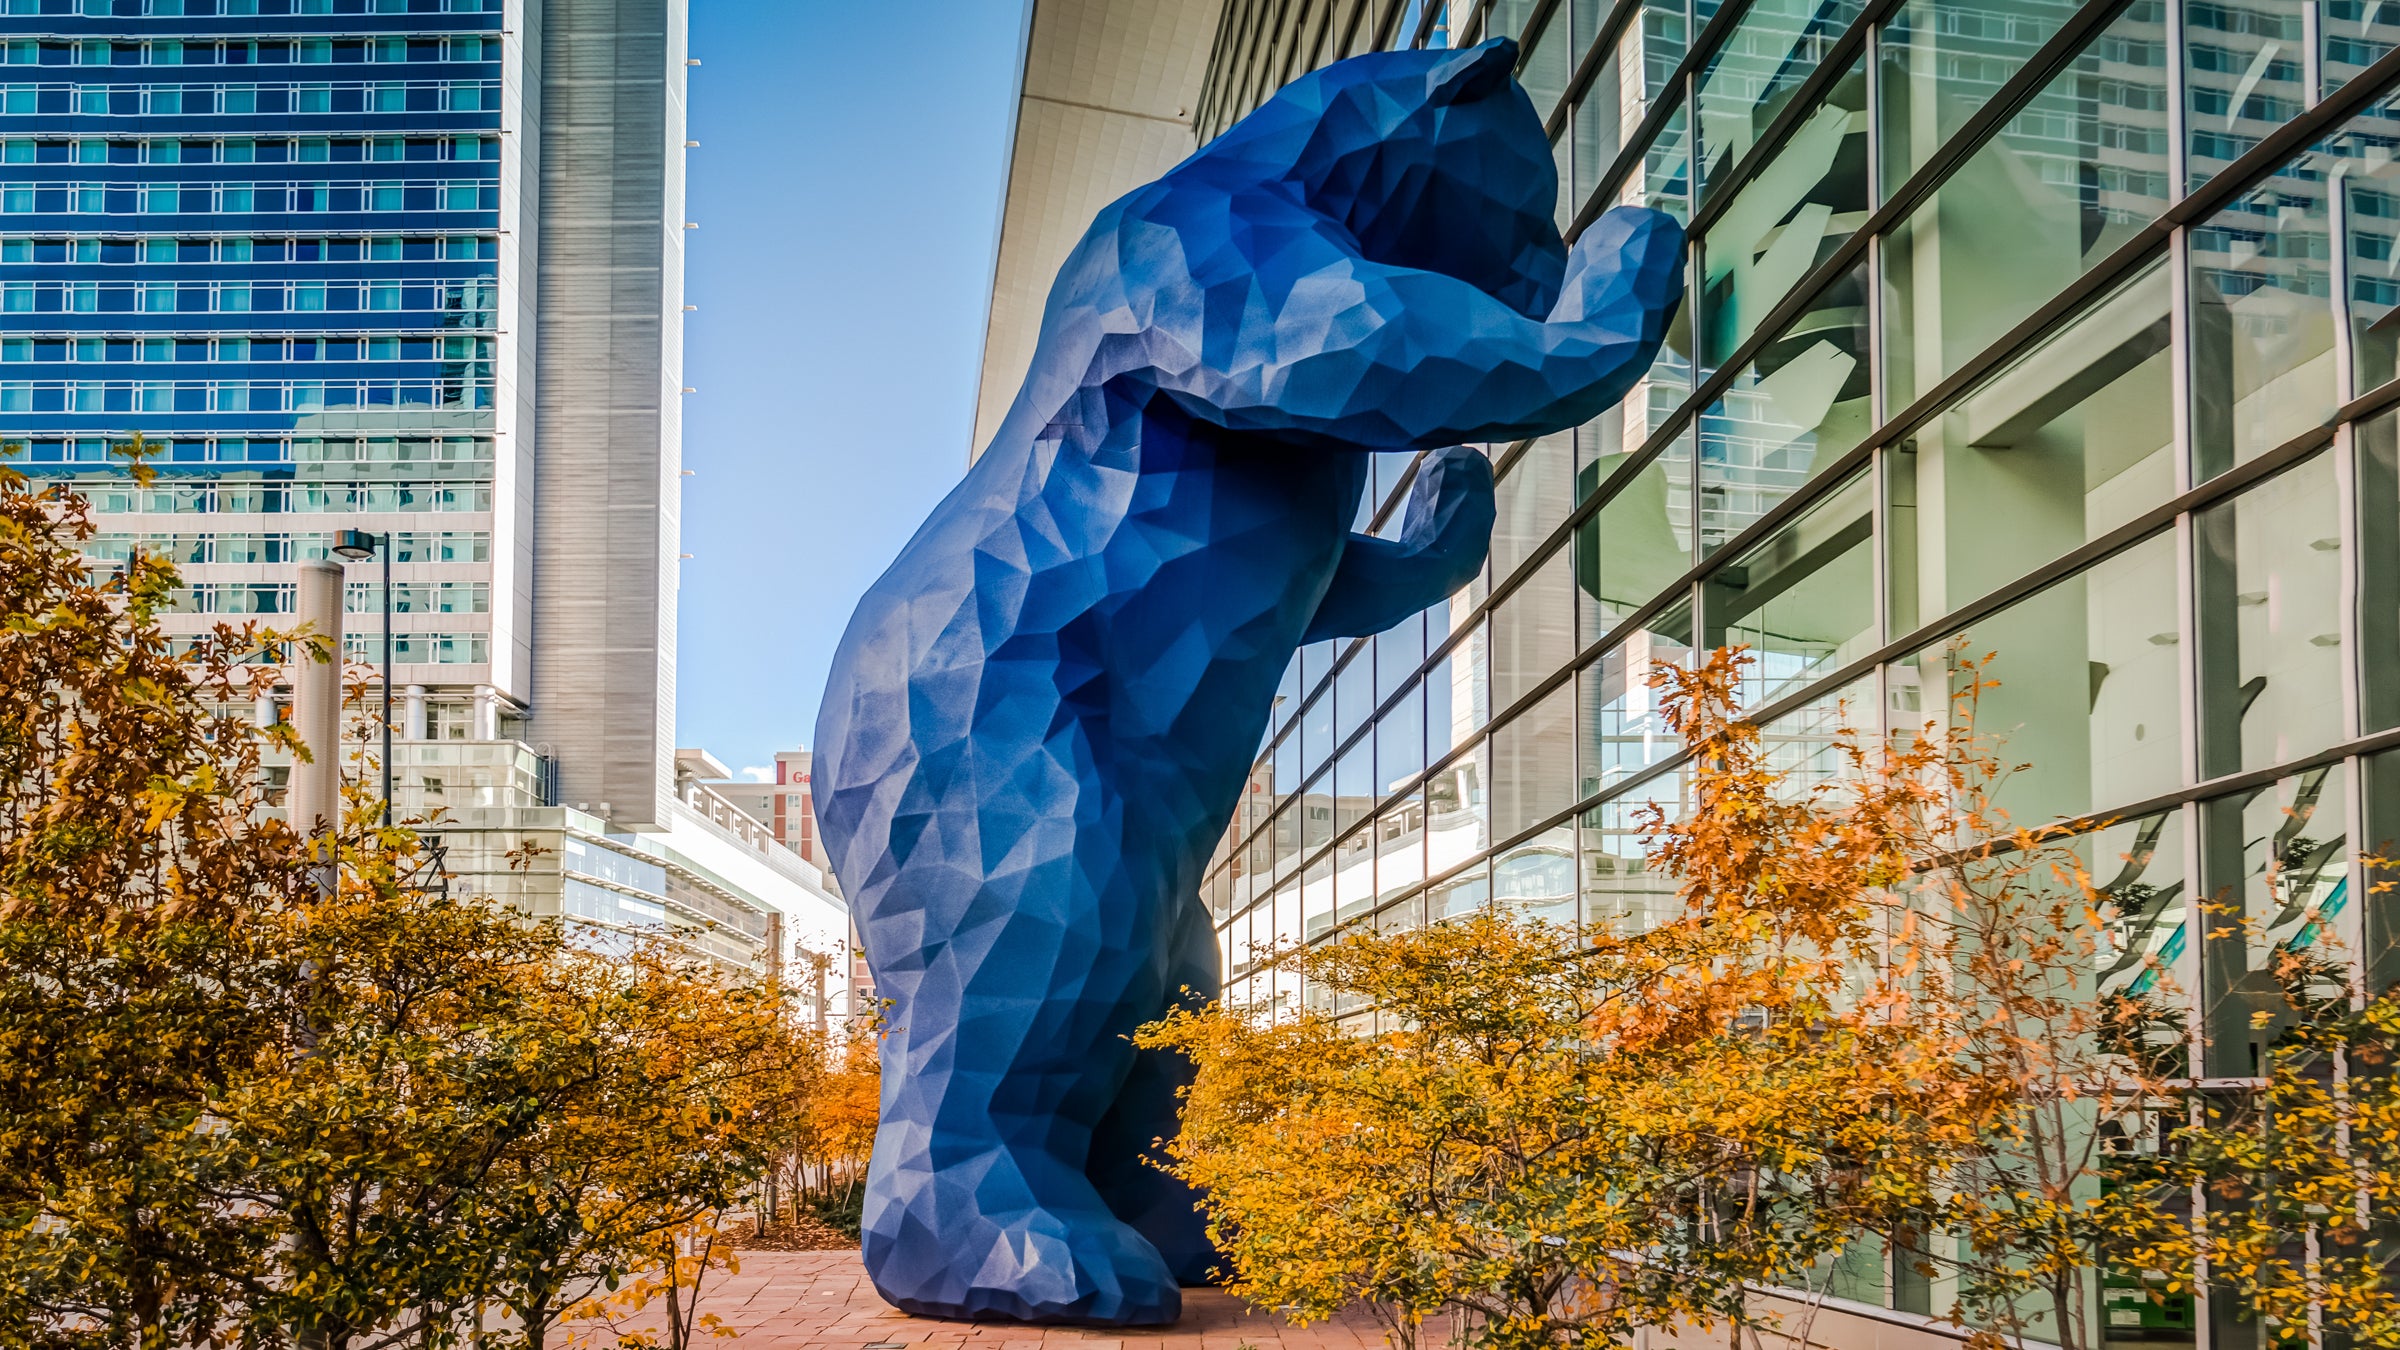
[1104, 104]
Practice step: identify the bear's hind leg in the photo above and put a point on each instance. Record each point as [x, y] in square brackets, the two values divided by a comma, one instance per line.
[1124, 1147]
[1007, 1047]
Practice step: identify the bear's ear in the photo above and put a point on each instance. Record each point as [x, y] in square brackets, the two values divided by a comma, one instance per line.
[1474, 73]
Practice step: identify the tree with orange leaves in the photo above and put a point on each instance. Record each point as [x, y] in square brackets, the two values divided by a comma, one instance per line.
[1870, 1017]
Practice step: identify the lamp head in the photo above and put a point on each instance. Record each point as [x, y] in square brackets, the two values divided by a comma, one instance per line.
[356, 545]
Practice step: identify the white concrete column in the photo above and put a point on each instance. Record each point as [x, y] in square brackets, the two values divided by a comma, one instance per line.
[412, 712]
[314, 803]
[487, 714]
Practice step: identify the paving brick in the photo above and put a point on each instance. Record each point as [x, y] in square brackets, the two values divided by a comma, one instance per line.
[822, 1301]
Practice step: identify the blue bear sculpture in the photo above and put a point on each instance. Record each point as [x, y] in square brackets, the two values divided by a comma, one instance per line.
[1041, 718]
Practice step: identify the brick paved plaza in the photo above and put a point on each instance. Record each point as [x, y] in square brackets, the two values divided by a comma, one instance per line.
[786, 1300]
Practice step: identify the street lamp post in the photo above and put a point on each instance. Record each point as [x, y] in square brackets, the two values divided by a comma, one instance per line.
[358, 546]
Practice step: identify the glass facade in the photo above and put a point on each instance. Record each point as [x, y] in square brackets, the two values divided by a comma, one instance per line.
[267, 237]
[2057, 332]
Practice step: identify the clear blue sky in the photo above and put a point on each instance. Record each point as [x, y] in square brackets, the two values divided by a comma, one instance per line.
[847, 188]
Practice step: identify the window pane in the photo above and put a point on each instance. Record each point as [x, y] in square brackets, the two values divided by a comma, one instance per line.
[2269, 581]
[1802, 600]
[1465, 893]
[1548, 59]
[2243, 77]
[1638, 544]
[1618, 722]
[1621, 891]
[1776, 46]
[1663, 180]
[1531, 501]
[1943, 60]
[1536, 879]
[2379, 926]
[2137, 866]
[1626, 84]
[2084, 688]
[2065, 182]
[2262, 319]
[1456, 697]
[1533, 631]
[2068, 442]
[1400, 847]
[2356, 34]
[1400, 741]
[1457, 811]
[2378, 665]
[1789, 415]
[2275, 865]
[1533, 764]
[1787, 219]
[1353, 876]
[1804, 743]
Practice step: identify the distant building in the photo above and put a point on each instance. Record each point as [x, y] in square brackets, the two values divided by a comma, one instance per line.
[783, 805]
[411, 267]
[788, 810]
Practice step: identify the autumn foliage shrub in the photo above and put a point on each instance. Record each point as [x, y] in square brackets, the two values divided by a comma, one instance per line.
[257, 1090]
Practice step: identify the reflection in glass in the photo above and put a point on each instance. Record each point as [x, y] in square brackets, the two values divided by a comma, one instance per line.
[1457, 701]
[2368, 169]
[2275, 865]
[1533, 764]
[1789, 415]
[1548, 58]
[1775, 47]
[1354, 691]
[2354, 35]
[2268, 574]
[1802, 600]
[1663, 180]
[1622, 892]
[1457, 812]
[2379, 926]
[1533, 630]
[1462, 894]
[1399, 651]
[1536, 879]
[2137, 866]
[2262, 319]
[1530, 500]
[2066, 181]
[1621, 729]
[1400, 846]
[1942, 60]
[1353, 868]
[2244, 68]
[2378, 571]
[2081, 688]
[1400, 741]
[1626, 84]
[1638, 543]
[1791, 216]
[2069, 441]
[1805, 743]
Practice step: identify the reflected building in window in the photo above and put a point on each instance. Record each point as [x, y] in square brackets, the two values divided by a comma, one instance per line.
[412, 267]
[2059, 336]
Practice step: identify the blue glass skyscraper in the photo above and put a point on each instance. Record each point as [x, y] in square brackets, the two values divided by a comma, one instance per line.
[318, 254]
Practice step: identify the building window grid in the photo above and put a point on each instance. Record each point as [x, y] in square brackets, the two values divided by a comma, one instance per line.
[1231, 910]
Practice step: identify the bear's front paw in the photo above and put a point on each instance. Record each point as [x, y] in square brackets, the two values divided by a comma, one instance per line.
[1450, 508]
[1627, 266]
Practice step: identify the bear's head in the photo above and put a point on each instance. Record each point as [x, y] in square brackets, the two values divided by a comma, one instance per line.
[1432, 159]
